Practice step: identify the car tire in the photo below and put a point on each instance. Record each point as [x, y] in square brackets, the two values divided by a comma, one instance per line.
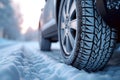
[86, 41]
[45, 44]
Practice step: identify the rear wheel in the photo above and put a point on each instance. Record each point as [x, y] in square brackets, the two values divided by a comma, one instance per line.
[45, 44]
[86, 41]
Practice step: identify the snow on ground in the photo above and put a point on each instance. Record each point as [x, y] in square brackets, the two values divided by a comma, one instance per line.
[25, 62]
[5, 42]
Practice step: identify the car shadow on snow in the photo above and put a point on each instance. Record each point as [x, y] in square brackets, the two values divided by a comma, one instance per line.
[115, 59]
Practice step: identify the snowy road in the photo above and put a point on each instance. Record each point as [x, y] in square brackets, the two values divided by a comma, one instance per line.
[24, 61]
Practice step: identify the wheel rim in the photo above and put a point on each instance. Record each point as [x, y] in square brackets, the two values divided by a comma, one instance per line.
[68, 26]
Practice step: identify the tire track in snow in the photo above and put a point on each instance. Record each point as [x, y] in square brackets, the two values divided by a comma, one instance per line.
[26, 63]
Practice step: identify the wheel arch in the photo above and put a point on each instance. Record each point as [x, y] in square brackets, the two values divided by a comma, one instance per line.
[110, 15]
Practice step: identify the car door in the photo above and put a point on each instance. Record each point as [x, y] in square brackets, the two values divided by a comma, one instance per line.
[48, 21]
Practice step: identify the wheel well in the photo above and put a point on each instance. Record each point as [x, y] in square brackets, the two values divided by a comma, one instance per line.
[57, 9]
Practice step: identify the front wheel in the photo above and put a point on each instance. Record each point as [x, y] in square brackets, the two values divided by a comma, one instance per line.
[86, 41]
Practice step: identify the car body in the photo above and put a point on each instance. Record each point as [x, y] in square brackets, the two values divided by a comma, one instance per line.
[48, 21]
[85, 30]
[49, 17]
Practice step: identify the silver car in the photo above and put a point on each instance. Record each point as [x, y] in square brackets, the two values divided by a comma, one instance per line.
[86, 29]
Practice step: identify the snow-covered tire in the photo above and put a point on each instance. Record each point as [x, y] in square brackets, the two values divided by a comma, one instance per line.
[94, 40]
[45, 44]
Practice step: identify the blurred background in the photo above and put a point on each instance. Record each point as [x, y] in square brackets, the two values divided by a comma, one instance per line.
[19, 19]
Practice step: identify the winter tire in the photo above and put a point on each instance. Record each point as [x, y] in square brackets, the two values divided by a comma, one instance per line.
[86, 41]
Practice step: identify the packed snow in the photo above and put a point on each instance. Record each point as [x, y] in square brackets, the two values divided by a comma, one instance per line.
[24, 61]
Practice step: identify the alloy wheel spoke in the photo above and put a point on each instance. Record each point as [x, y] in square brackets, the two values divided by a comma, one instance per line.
[73, 24]
[73, 8]
[62, 25]
[68, 6]
[64, 12]
[72, 40]
[62, 33]
[63, 39]
[68, 46]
